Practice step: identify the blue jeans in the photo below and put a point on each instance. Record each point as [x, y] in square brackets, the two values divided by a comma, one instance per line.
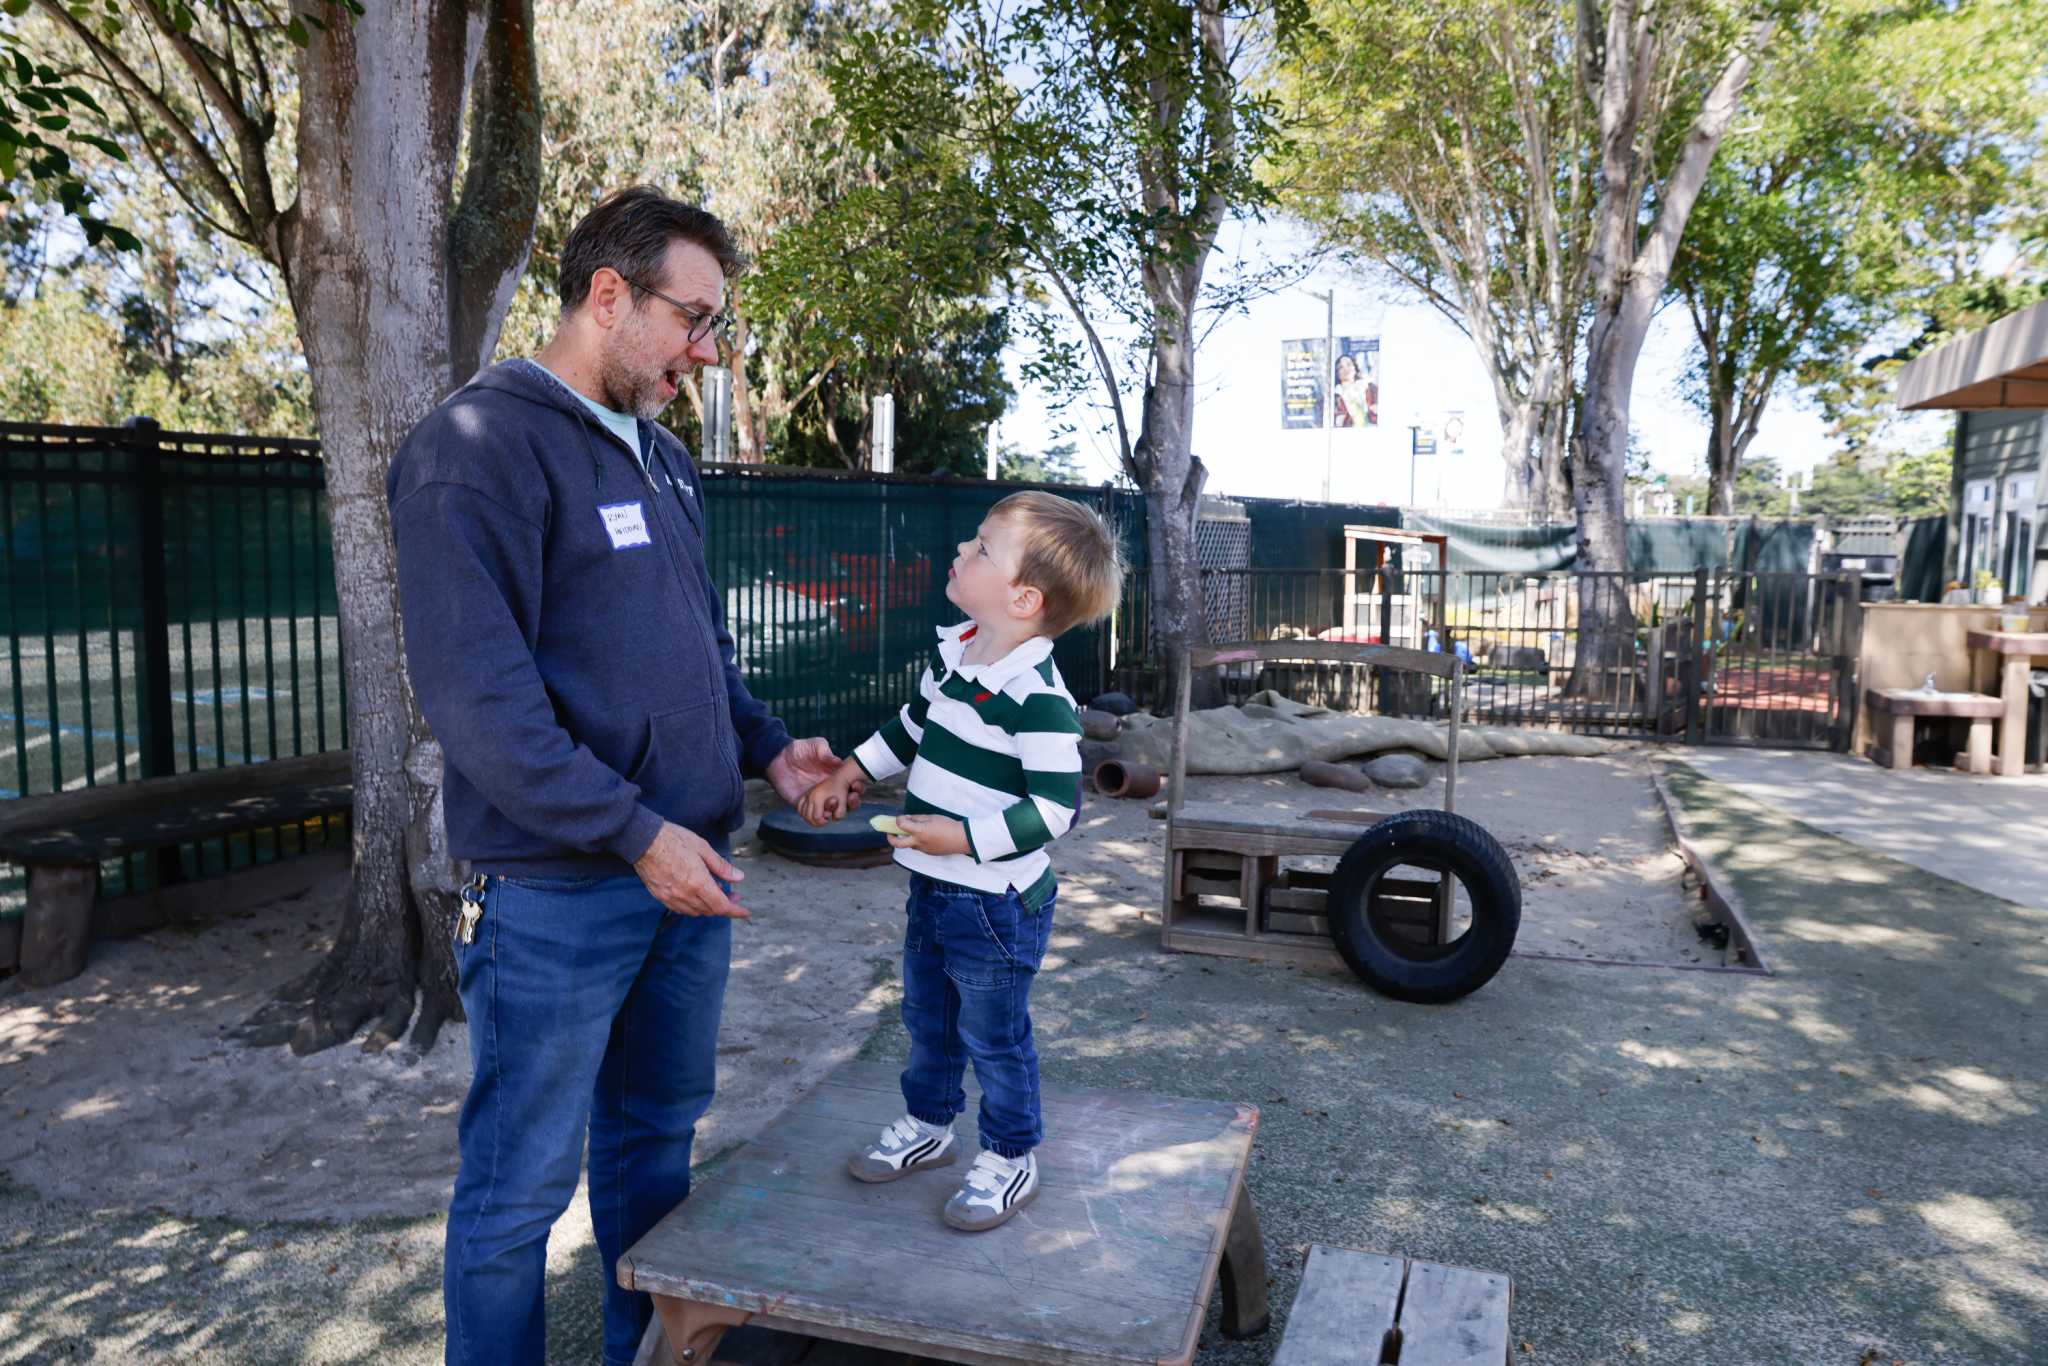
[969, 959]
[590, 1006]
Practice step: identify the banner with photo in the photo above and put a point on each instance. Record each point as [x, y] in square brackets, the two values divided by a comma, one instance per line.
[1357, 377]
[1313, 386]
[1302, 367]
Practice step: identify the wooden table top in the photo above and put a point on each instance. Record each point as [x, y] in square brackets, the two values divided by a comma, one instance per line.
[1112, 1263]
[1914, 702]
[2010, 642]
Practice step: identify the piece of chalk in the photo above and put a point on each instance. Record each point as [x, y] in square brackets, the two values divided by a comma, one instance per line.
[886, 824]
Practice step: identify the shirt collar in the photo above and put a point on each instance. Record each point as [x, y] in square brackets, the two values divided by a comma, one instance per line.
[996, 674]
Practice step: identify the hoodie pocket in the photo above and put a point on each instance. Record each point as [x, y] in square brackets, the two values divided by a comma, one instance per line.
[689, 771]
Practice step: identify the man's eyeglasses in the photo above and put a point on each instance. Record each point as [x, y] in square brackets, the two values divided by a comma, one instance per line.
[701, 323]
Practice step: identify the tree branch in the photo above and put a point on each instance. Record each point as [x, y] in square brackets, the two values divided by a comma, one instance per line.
[126, 79]
[491, 230]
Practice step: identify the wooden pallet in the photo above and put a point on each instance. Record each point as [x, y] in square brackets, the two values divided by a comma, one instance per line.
[1227, 894]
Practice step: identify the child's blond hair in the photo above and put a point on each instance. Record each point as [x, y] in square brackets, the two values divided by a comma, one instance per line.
[1068, 554]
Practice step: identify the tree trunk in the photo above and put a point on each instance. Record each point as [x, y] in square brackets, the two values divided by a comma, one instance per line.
[1553, 432]
[1173, 493]
[399, 297]
[1722, 454]
[750, 443]
[1629, 268]
[1524, 484]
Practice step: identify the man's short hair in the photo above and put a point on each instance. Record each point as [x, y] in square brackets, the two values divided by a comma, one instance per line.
[1068, 553]
[630, 231]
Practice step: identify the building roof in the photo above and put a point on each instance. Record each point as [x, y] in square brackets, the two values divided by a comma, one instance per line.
[2004, 365]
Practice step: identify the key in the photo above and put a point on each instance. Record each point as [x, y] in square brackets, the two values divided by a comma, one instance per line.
[472, 912]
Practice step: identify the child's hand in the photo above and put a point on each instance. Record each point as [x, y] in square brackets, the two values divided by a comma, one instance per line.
[932, 835]
[830, 798]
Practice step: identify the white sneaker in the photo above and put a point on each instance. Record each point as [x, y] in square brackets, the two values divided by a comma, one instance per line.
[996, 1188]
[904, 1146]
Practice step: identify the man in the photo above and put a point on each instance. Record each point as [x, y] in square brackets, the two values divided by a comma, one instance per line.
[570, 653]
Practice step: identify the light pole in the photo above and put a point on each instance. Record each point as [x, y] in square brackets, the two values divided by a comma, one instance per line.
[1329, 298]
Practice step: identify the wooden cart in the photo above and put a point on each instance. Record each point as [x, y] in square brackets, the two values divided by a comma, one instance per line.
[1224, 891]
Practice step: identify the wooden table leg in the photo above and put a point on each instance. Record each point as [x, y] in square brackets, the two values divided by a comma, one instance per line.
[56, 927]
[692, 1330]
[1245, 1314]
[2012, 732]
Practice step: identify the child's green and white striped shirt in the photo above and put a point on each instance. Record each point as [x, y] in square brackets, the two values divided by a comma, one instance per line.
[995, 746]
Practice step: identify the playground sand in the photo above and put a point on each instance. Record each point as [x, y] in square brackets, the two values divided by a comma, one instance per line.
[121, 1090]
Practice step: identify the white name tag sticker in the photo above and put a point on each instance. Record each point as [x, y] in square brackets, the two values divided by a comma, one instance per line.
[627, 525]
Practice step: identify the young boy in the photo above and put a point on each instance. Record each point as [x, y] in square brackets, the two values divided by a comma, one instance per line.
[992, 743]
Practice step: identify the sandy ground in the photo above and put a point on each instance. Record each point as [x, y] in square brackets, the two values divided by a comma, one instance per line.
[118, 1088]
[1847, 1153]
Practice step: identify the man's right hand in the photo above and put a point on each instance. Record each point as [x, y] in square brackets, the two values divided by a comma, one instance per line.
[682, 871]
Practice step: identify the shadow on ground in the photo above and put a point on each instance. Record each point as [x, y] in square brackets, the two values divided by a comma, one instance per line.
[1675, 1167]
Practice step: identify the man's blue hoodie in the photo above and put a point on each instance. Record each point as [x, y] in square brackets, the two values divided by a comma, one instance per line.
[562, 633]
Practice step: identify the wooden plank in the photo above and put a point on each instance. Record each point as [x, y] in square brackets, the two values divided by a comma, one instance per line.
[128, 817]
[1912, 702]
[2022, 643]
[721, 1211]
[1344, 1309]
[1454, 1317]
[989, 1297]
[1163, 1221]
[1303, 951]
[1324, 651]
[202, 786]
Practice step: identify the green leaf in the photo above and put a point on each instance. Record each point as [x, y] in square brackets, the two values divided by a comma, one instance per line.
[16, 8]
[107, 145]
[24, 69]
[56, 123]
[296, 31]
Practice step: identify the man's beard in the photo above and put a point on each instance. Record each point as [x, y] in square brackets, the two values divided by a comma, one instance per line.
[623, 389]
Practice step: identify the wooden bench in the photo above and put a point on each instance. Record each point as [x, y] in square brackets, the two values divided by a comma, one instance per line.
[1143, 1209]
[1906, 705]
[62, 838]
[1359, 1309]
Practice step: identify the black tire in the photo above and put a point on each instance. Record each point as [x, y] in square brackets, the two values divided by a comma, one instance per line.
[784, 831]
[1444, 843]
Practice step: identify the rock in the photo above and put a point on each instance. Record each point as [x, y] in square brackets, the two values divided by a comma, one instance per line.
[1398, 770]
[1343, 776]
[1115, 703]
[1100, 725]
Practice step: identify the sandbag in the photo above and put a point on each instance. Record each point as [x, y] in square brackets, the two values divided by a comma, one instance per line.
[1274, 734]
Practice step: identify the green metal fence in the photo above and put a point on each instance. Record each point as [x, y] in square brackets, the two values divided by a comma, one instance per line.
[833, 585]
[167, 602]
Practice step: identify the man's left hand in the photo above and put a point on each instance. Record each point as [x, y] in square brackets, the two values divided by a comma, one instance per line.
[803, 765]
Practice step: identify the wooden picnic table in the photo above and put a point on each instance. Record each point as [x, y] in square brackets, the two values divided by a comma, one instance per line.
[2012, 654]
[1112, 1264]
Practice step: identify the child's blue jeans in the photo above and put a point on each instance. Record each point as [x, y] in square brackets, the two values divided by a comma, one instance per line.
[969, 958]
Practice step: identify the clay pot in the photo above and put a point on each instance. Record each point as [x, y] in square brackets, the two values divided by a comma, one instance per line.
[1122, 778]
